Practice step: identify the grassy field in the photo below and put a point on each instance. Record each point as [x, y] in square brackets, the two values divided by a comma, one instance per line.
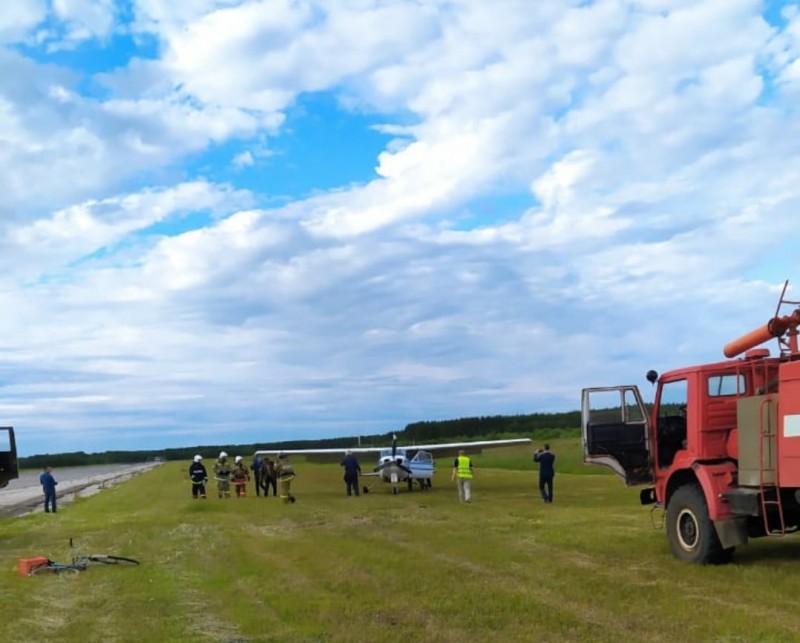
[417, 566]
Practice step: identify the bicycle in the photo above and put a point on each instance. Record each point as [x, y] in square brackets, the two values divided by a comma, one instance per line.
[80, 563]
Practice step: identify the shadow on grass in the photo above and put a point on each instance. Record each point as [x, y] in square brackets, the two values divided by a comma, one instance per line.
[760, 550]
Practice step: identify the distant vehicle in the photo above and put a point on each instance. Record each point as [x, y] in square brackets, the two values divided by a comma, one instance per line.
[398, 465]
[9, 470]
[720, 446]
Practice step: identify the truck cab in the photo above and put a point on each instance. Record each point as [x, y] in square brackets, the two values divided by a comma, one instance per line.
[9, 469]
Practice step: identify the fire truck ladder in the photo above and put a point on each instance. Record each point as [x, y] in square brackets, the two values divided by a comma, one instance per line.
[767, 475]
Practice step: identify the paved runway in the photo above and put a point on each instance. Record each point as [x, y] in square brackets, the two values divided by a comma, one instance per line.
[25, 494]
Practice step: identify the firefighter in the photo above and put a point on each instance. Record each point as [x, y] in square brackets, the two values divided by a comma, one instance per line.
[222, 473]
[199, 477]
[240, 477]
[285, 473]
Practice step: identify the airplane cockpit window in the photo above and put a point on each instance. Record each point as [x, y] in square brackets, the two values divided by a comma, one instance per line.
[423, 456]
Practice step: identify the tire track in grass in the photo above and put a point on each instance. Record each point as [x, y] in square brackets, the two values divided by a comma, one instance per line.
[187, 566]
[544, 597]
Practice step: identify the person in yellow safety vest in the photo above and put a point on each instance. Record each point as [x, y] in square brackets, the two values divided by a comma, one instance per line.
[284, 470]
[462, 475]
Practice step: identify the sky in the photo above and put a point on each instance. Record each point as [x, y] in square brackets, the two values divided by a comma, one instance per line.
[244, 221]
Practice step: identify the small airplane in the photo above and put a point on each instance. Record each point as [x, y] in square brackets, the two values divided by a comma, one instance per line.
[401, 464]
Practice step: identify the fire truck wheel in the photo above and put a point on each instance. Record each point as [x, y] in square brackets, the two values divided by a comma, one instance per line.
[691, 533]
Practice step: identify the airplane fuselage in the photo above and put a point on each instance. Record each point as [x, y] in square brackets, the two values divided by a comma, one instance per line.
[397, 467]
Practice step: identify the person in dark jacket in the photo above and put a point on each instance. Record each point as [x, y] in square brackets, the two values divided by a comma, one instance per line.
[199, 477]
[269, 478]
[351, 472]
[48, 483]
[258, 468]
[547, 472]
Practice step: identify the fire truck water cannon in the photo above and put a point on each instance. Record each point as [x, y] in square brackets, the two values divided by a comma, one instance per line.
[719, 447]
[776, 327]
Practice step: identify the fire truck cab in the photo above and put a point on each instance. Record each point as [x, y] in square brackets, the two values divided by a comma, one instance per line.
[9, 469]
[719, 448]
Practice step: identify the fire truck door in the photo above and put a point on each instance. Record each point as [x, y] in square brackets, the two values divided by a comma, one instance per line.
[8, 456]
[615, 430]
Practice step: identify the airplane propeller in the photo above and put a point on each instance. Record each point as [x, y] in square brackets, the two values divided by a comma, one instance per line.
[396, 462]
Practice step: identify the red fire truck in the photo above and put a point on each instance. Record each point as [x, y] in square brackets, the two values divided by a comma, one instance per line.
[719, 448]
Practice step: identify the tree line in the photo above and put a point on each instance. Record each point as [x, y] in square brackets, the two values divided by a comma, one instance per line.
[535, 425]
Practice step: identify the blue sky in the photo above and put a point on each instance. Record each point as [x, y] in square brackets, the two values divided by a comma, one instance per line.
[233, 221]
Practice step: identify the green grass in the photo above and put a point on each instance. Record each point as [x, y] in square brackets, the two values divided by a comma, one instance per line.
[415, 566]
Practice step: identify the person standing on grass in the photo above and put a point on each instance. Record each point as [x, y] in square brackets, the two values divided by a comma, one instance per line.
[199, 477]
[240, 477]
[48, 483]
[222, 473]
[258, 469]
[285, 472]
[462, 475]
[351, 472]
[547, 472]
[269, 478]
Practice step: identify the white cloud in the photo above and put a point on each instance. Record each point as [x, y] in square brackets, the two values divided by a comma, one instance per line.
[72, 147]
[51, 244]
[19, 17]
[243, 159]
[85, 19]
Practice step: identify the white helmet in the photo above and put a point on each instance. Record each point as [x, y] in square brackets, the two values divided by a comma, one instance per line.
[222, 454]
[197, 458]
[238, 458]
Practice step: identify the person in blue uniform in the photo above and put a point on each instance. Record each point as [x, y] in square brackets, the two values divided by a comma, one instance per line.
[48, 483]
[547, 472]
[257, 467]
[351, 472]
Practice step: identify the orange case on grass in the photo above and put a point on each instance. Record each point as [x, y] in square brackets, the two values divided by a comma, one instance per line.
[27, 565]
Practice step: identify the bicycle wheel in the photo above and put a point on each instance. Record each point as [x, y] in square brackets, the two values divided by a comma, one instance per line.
[112, 560]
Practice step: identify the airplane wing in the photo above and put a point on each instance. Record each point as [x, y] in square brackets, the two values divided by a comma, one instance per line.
[440, 450]
[452, 448]
[319, 455]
